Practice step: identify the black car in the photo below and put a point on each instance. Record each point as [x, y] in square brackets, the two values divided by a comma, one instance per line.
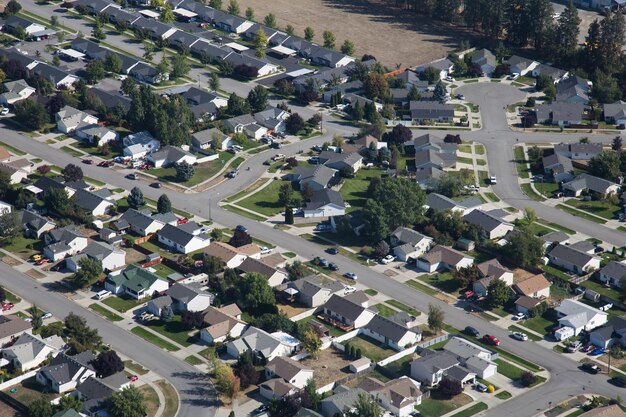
[619, 381]
[471, 331]
[242, 229]
[332, 251]
[590, 368]
[333, 266]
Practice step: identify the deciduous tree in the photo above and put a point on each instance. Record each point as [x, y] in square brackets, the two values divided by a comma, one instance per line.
[329, 39]
[309, 33]
[89, 272]
[436, 317]
[72, 173]
[498, 293]
[135, 199]
[108, 363]
[128, 402]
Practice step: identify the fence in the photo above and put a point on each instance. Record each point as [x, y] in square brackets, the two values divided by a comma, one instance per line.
[303, 315]
[434, 341]
[207, 158]
[337, 340]
[399, 355]
[17, 380]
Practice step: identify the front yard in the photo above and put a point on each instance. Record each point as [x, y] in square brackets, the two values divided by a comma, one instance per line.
[203, 171]
[541, 324]
[264, 201]
[436, 405]
[24, 247]
[173, 330]
[602, 208]
[122, 304]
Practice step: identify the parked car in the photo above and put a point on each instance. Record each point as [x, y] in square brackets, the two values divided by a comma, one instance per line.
[322, 227]
[42, 261]
[276, 145]
[480, 387]
[88, 161]
[132, 176]
[520, 336]
[157, 185]
[320, 261]
[265, 250]
[619, 381]
[597, 352]
[36, 257]
[267, 162]
[469, 330]
[182, 220]
[7, 306]
[387, 259]
[573, 347]
[46, 315]
[350, 275]
[493, 180]
[520, 316]
[606, 307]
[4, 111]
[590, 368]
[460, 97]
[242, 229]
[333, 266]
[332, 251]
[133, 378]
[491, 339]
[233, 173]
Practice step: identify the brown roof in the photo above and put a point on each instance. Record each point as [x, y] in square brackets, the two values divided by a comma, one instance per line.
[19, 163]
[219, 323]
[249, 249]
[357, 297]
[608, 411]
[286, 368]
[221, 250]
[255, 265]
[12, 325]
[231, 309]
[492, 268]
[278, 387]
[533, 284]
[443, 254]
[400, 392]
[527, 302]
[4, 154]
[275, 259]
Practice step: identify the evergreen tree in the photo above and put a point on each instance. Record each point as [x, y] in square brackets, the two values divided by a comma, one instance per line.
[348, 47]
[440, 92]
[329, 39]
[566, 33]
[611, 43]
[164, 204]
[135, 198]
[184, 171]
[309, 33]
[233, 7]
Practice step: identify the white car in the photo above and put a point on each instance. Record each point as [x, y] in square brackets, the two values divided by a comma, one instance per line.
[265, 250]
[350, 275]
[46, 315]
[519, 316]
[449, 79]
[4, 111]
[349, 290]
[493, 179]
[387, 259]
[520, 336]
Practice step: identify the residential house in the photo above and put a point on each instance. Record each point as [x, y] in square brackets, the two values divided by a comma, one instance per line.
[329, 58]
[11, 328]
[408, 244]
[203, 104]
[316, 177]
[614, 113]
[16, 91]
[391, 333]
[4, 154]
[614, 331]
[69, 119]
[275, 276]
[342, 403]
[136, 282]
[493, 227]
[526, 304]
[341, 161]
[5, 208]
[325, 203]
[536, 286]
[138, 145]
[189, 298]
[94, 6]
[613, 410]
[614, 273]
[424, 111]
[316, 290]
[276, 389]
[474, 357]
[432, 366]
[560, 113]
[559, 167]
[182, 240]
[231, 23]
[16, 175]
[96, 392]
[578, 151]
[579, 316]
[12, 23]
[211, 138]
[586, 182]
[263, 67]
[66, 372]
[273, 119]
[555, 237]
[573, 89]
[288, 370]
[347, 312]
[555, 73]
[230, 255]
[171, 155]
[436, 201]
[112, 100]
[262, 344]
[222, 323]
[63, 242]
[573, 260]
[110, 257]
[399, 396]
[141, 222]
[238, 123]
[520, 65]
[30, 351]
[443, 257]
[488, 271]
[97, 203]
[97, 135]
[148, 74]
[205, 50]
[443, 65]
[35, 225]
[485, 60]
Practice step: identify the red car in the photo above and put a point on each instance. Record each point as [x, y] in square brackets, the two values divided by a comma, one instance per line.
[133, 378]
[42, 261]
[7, 306]
[491, 339]
[88, 161]
[182, 220]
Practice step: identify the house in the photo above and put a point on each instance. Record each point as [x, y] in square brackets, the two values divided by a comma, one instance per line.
[30, 351]
[203, 104]
[181, 240]
[341, 403]
[110, 257]
[555, 73]
[211, 138]
[607, 411]
[316, 177]
[262, 66]
[141, 222]
[205, 50]
[425, 111]
[96, 203]
[231, 23]
[392, 333]
[433, 366]
[138, 145]
[11, 328]
[347, 312]
[341, 161]
[16, 175]
[66, 372]
[35, 224]
[493, 227]
[96, 392]
[136, 282]
[16, 91]
[520, 65]
[476, 358]
[189, 298]
[443, 257]
[488, 271]
[573, 89]
[525, 304]
[276, 389]
[230, 255]
[579, 316]
[112, 100]
[599, 186]
[560, 113]
[611, 333]
[68, 119]
[222, 323]
[411, 79]
[262, 344]
[408, 244]
[578, 151]
[316, 290]
[238, 123]
[97, 135]
[444, 66]
[573, 260]
[485, 60]
[145, 73]
[325, 203]
[613, 273]
[5, 208]
[288, 370]
[63, 242]
[614, 113]
[555, 237]
[559, 167]
[436, 201]
[275, 276]
[12, 23]
[273, 119]
[536, 286]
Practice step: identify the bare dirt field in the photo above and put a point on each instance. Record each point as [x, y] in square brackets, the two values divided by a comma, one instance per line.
[394, 36]
[7, 411]
[330, 366]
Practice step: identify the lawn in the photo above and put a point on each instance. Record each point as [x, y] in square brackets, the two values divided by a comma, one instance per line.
[541, 324]
[463, 160]
[547, 189]
[401, 306]
[602, 208]
[202, 171]
[530, 192]
[444, 281]
[12, 149]
[20, 247]
[509, 370]
[371, 348]
[122, 304]
[72, 151]
[193, 360]
[135, 367]
[465, 148]
[109, 315]
[354, 190]
[28, 391]
[539, 229]
[601, 289]
[559, 227]
[171, 398]
[578, 213]
[385, 311]
[11, 297]
[436, 406]
[163, 270]
[173, 330]
[146, 335]
[372, 293]
[151, 400]
[521, 162]
[264, 201]
[556, 272]
[492, 197]
[420, 287]
[479, 149]
[244, 213]
[470, 411]
[504, 395]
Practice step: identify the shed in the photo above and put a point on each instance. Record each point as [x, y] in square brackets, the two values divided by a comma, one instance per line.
[360, 365]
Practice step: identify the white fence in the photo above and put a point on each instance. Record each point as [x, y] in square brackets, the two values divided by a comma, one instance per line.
[207, 158]
[401, 354]
[17, 380]
[303, 315]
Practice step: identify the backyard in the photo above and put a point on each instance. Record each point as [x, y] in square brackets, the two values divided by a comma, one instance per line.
[370, 348]
[354, 190]
[437, 405]
[329, 366]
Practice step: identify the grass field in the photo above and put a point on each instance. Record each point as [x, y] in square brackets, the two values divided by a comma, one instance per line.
[530, 192]
[384, 310]
[146, 335]
[521, 162]
[264, 201]
[122, 304]
[401, 306]
[509, 370]
[202, 171]
[109, 315]
[193, 360]
[354, 189]
[420, 287]
[504, 395]
[470, 411]
[602, 208]
[579, 213]
[371, 348]
[135, 367]
[171, 398]
[173, 330]
[541, 324]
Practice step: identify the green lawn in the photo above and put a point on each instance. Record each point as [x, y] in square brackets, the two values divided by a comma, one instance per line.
[146, 335]
[202, 171]
[601, 289]
[492, 197]
[135, 367]
[289, 255]
[465, 148]
[559, 227]
[72, 151]
[122, 304]
[420, 287]
[163, 270]
[602, 208]
[354, 190]
[556, 272]
[542, 324]
[520, 162]
[264, 201]
[463, 160]
[371, 348]
[385, 311]
[401, 306]
[12, 149]
[578, 213]
[479, 149]
[20, 246]
[530, 192]
[436, 406]
[11, 297]
[531, 336]
[193, 360]
[539, 229]
[470, 411]
[442, 280]
[371, 292]
[173, 330]
[504, 395]
[243, 213]
[109, 315]
[509, 370]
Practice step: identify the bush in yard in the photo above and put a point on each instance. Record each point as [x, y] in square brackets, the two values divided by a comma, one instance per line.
[184, 171]
[295, 123]
[108, 363]
[288, 215]
[528, 378]
[449, 388]
[359, 354]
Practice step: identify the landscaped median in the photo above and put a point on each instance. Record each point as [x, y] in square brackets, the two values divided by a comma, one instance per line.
[154, 339]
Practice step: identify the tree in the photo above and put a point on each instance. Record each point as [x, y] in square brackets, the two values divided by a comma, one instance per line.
[440, 92]
[108, 363]
[449, 388]
[530, 217]
[616, 145]
[98, 33]
[113, 63]
[245, 370]
[260, 43]
[135, 199]
[31, 114]
[89, 272]
[348, 47]
[270, 21]
[605, 165]
[550, 92]
[398, 135]
[295, 123]
[290, 30]
[250, 13]
[180, 66]
[329, 39]
[296, 270]
[164, 205]
[430, 74]
[80, 336]
[214, 82]
[216, 4]
[498, 293]
[528, 378]
[57, 200]
[128, 85]
[233, 7]
[310, 398]
[192, 319]
[56, 61]
[285, 194]
[10, 226]
[466, 276]
[609, 49]
[167, 14]
[225, 380]
[524, 249]
[70, 402]
[435, 318]
[256, 294]
[41, 407]
[237, 106]
[309, 33]
[240, 238]
[376, 86]
[566, 33]
[184, 171]
[605, 88]
[128, 402]
[72, 173]
[212, 265]
[311, 343]
[365, 406]
[95, 71]
[258, 97]
[12, 8]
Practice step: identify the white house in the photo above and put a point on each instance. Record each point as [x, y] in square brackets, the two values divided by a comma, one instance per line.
[325, 203]
[182, 240]
[138, 145]
[231, 257]
[222, 323]
[443, 257]
[63, 242]
[211, 138]
[141, 222]
[170, 155]
[573, 260]
[5, 208]
[399, 396]
[16, 91]
[16, 174]
[472, 356]
[30, 351]
[66, 372]
[136, 282]
[111, 257]
[408, 244]
[536, 286]
[392, 333]
[262, 344]
[97, 203]
[613, 273]
[579, 316]
[97, 135]
[69, 119]
[349, 313]
[492, 226]
[189, 298]
[289, 370]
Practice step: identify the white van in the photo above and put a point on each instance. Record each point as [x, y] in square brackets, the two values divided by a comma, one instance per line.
[101, 295]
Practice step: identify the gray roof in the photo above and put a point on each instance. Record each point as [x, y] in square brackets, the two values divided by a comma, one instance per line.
[463, 348]
[583, 246]
[615, 270]
[519, 62]
[162, 301]
[34, 221]
[311, 285]
[589, 148]
[319, 173]
[553, 72]
[168, 217]
[323, 197]
[586, 181]
[285, 368]
[137, 218]
[63, 366]
[65, 234]
[94, 392]
[344, 307]
[406, 235]
[560, 111]
[183, 293]
[177, 235]
[99, 250]
[458, 373]
[555, 237]
[440, 64]
[430, 110]
[615, 110]
[344, 401]
[204, 137]
[483, 219]
[484, 57]
[389, 329]
[436, 360]
[558, 163]
[571, 255]
[256, 340]
[88, 200]
[430, 156]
